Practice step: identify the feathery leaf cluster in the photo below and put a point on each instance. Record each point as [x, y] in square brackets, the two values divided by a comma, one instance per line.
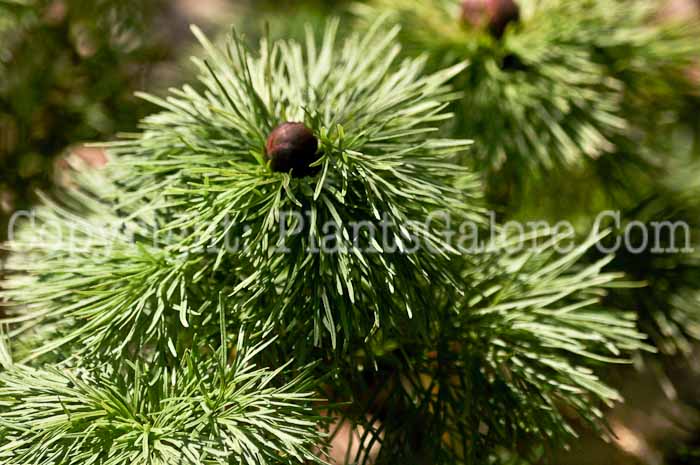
[567, 83]
[562, 87]
[208, 410]
[380, 170]
[189, 228]
[495, 370]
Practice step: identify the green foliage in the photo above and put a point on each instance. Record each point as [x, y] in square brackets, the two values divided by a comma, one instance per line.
[669, 304]
[495, 369]
[94, 279]
[565, 85]
[583, 106]
[443, 355]
[379, 166]
[289, 19]
[209, 410]
[68, 70]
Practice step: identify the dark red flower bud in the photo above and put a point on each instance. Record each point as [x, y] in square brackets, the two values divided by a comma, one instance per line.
[292, 147]
[494, 15]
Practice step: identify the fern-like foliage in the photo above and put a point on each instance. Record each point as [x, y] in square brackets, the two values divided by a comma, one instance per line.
[100, 278]
[669, 304]
[499, 369]
[565, 84]
[119, 287]
[379, 165]
[209, 410]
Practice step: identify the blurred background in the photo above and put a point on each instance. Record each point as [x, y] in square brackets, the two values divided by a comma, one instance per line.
[68, 73]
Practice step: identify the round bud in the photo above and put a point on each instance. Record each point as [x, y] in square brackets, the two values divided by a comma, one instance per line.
[292, 147]
[494, 15]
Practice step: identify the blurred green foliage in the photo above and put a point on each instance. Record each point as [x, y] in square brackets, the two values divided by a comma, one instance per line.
[289, 18]
[68, 70]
